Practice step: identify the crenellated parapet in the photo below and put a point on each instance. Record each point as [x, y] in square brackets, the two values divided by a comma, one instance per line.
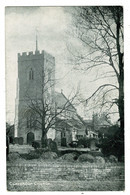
[35, 55]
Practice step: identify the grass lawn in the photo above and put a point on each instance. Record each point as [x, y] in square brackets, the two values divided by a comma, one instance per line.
[35, 175]
[61, 175]
[66, 186]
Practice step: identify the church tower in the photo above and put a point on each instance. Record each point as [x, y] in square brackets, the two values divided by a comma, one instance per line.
[36, 81]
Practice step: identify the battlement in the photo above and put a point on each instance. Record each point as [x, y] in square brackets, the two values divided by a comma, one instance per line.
[31, 53]
[36, 54]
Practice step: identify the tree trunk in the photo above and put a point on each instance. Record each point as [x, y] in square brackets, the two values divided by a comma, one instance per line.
[121, 102]
[44, 141]
[44, 134]
[121, 74]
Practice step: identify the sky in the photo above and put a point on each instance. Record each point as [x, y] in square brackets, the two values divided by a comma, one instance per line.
[20, 42]
[51, 25]
[21, 24]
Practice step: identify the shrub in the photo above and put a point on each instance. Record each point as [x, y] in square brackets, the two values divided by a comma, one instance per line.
[99, 160]
[96, 153]
[87, 142]
[14, 156]
[112, 159]
[86, 158]
[108, 131]
[81, 146]
[33, 154]
[113, 144]
[73, 144]
[69, 157]
[41, 150]
[83, 141]
[49, 155]
[106, 159]
[122, 159]
[35, 144]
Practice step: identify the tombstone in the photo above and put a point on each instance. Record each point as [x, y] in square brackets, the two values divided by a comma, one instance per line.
[16, 140]
[93, 144]
[30, 138]
[20, 140]
[53, 146]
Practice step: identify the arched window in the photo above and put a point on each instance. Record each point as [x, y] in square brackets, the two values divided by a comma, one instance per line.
[31, 74]
[31, 122]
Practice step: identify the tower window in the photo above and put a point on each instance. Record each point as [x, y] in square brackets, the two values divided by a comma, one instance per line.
[31, 74]
[31, 121]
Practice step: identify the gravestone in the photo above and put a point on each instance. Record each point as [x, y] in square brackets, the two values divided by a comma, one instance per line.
[20, 140]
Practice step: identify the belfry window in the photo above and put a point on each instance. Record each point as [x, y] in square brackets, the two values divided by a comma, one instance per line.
[31, 74]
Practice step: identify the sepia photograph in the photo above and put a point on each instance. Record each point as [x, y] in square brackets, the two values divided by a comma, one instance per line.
[64, 71]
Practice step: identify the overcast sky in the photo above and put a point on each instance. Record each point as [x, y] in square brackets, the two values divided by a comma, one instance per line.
[52, 24]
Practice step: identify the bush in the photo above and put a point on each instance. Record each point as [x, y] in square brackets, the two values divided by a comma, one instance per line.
[73, 144]
[48, 155]
[122, 159]
[69, 157]
[112, 159]
[13, 156]
[106, 159]
[35, 144]
[96, 153]
[99, 160]
[113, 144]
[84, 142]
[33, 154]
[41, 150]
[87, 142]
[81, 146]
[86, 158]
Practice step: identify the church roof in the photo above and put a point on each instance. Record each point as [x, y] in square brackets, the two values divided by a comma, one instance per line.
[69, 123]
[62, 100]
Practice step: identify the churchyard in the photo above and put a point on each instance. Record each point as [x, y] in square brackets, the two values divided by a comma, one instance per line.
[31, 170]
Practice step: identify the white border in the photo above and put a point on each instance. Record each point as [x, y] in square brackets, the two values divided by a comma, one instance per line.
[4, 3]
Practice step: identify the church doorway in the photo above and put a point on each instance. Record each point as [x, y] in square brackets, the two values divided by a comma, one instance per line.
[30, 138]
[63, 138]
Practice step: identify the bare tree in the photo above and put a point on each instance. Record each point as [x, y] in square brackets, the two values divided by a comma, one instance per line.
[40, 110]
[100, 31]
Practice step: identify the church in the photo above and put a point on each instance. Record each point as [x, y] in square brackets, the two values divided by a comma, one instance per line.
[36, 97]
